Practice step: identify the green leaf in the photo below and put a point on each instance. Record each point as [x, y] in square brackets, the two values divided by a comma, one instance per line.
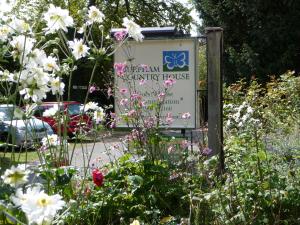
[135, 180]
[262, 155]
[265, 185]
[125, 158]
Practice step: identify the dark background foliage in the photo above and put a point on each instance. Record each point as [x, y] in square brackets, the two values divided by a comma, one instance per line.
[261, 37]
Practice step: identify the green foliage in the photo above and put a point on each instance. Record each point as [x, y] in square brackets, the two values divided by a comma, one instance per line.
[134, 188]
[147, 13]
[261, 181]
[260, 37]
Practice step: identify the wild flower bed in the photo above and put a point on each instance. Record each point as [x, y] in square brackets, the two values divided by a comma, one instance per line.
[155, 181]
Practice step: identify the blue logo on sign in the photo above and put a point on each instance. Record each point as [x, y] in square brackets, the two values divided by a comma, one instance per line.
[175, 61]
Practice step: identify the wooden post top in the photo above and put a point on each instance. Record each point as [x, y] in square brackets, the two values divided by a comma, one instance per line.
[213, 29]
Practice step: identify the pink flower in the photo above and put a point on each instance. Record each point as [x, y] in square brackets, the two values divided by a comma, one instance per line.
[123, 91]
[113, 115]
[186, 115]
[124, 101]
[109, 92]
[135, 96]
[171, 149]
[169, 118]
[142, 82]
[206, 151]
[112, 124]
[185, 144]
[92, 88]
[120, 69]
[98, 177]
[120, 35]
[131, 113]
[149, 123]
[161, 96]
[169, 82]
[136, 135]
[142, 103]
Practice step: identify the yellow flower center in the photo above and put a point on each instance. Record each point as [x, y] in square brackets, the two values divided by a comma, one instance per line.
[50, 65]
[80, 48]
[43, 202]
[94, 14]
[55, 17]
[16, 176]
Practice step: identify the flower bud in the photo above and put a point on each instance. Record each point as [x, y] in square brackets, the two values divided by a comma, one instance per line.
[84, 10]
[101, 51]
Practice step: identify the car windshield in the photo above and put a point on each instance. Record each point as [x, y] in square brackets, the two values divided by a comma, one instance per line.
[74, 109]
[10, 113]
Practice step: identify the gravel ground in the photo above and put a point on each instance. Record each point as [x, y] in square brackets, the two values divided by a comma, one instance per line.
[110, 148]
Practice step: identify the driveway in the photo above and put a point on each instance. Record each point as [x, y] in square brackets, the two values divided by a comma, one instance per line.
[109, 148]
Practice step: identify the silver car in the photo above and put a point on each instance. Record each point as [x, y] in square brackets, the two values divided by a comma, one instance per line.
[15, 129]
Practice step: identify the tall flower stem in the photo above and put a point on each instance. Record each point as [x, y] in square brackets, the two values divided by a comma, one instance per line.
[85, 101]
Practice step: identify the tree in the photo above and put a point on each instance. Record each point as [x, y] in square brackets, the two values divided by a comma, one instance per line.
[261, 37]
[144, 12]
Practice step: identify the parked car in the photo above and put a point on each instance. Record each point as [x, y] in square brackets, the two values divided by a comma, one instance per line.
[76, 121]
[18, 131]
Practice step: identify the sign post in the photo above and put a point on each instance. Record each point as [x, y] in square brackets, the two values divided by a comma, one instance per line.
[164, 57]
[215, 107]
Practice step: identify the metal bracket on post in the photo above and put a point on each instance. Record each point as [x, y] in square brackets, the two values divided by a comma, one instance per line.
[214, 37]
[183, 133]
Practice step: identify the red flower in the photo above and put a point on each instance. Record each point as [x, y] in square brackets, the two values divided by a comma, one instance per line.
[98, 177]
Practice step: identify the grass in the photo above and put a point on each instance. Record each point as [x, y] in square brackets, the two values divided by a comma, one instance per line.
[9, 158]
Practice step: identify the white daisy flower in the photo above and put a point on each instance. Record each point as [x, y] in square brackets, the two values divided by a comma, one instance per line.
[20, 198]
[6, 6]
[133, 29]
[37, 94]
[15, 176]
[22, 44]
[99, 115]
[51, 140]
[135, 222]
[57, 86]
[39, 207]
[49, 64]
[56, 19]
[37, 58]
[7, 76]
[4, 32]
[186, 115]
[51, 111]
[90, 106]
[95, 15]
[40, 77]
[19, 26]
[79, 49]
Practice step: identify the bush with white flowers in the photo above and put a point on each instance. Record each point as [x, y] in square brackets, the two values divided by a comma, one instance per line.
[41, 55]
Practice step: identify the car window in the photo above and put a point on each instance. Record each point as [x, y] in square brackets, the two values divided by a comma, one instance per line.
[39, 111]
[74, 109]
[8, 113]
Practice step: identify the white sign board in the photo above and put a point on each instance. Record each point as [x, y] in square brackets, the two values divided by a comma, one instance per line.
[165, 58]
